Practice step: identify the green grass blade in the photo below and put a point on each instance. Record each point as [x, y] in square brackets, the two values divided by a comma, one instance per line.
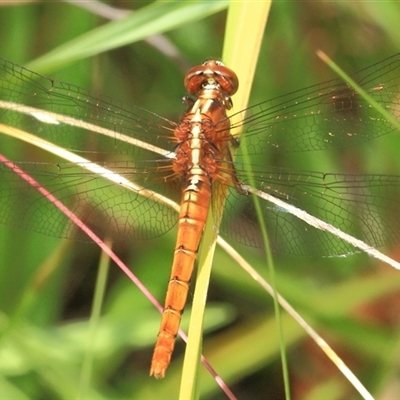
[87, 364]
[245, 57]
[158, 17]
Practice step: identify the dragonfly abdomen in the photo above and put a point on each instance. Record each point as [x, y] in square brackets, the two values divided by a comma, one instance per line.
[201, 150]
[193, 214]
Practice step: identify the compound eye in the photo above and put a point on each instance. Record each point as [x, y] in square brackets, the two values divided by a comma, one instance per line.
[211, 72]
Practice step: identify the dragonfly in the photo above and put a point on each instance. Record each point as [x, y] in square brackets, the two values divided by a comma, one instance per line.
[192, 162]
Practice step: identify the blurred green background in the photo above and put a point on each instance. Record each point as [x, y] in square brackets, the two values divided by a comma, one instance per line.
[352, 301]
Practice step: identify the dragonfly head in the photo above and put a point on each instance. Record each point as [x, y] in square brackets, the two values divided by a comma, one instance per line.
[214, 75]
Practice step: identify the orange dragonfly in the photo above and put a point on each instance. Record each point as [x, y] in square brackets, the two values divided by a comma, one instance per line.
[197, 166]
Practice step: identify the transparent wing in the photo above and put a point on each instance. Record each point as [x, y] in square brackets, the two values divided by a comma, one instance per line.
[111, 134]
[106, 207]
[102, 130]
[326, 115]
[72, 118]
[364, 206]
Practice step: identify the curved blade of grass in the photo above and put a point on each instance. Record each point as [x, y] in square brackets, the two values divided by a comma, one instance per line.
[158, 17]
[244, 34]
